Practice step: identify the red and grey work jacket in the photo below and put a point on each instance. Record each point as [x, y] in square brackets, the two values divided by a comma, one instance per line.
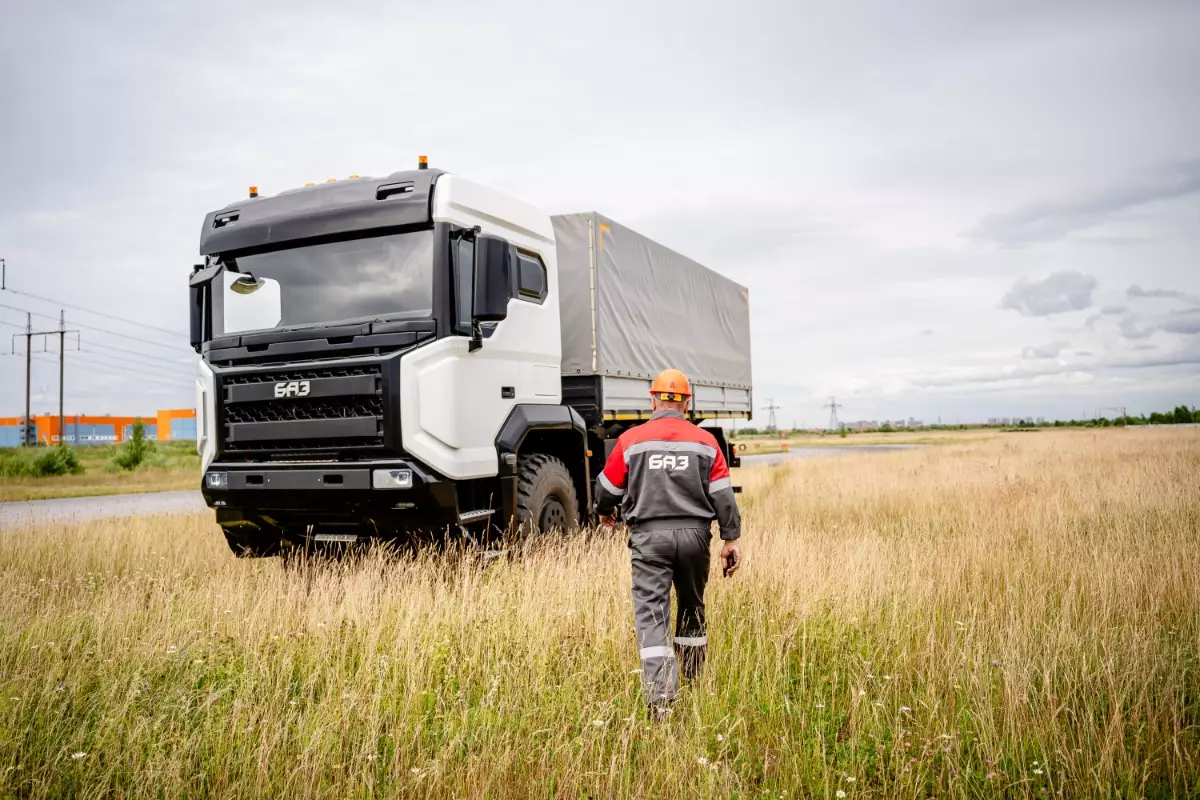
[669, 472]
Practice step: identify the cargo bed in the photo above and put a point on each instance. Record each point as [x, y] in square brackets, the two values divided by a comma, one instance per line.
[631, 308]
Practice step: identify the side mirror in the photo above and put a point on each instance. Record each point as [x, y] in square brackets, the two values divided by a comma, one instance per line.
[493, 279]
[199, 297]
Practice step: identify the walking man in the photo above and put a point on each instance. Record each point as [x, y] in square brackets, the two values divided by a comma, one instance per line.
[671, 480]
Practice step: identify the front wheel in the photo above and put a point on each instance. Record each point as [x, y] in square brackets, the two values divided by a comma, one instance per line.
[546, 499]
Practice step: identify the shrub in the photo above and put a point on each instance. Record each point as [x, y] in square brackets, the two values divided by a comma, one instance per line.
[57, 461]
[45, 463]
[136, 451]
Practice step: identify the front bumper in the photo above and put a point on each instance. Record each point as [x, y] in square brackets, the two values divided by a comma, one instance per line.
[291, 497]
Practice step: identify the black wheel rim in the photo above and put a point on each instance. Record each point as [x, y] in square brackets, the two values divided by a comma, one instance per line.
[554, 516]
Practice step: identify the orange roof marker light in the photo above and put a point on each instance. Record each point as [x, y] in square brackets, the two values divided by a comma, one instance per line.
[254, 191]
[422, 162]
[352, 177]
[331, 180]
[310, 183]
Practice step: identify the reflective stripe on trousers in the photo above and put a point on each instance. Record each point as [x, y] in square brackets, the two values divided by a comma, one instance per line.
[662, 558]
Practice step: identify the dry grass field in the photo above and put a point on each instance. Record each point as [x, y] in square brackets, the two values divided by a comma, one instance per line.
[1012, 617]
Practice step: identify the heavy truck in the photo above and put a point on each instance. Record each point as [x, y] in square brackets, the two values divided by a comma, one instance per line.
[381, 357]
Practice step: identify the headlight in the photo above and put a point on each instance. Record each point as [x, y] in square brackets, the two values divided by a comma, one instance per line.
[217, 480]
[391, 478]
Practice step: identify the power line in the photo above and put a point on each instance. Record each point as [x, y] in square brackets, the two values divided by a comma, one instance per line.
[173, 347]
[125, 369]
[114, 317]
[150, 368]
[104, 369]
[177, 364]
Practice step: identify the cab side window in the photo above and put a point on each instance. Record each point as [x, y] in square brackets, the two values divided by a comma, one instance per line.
[530, 278]
[463, 250]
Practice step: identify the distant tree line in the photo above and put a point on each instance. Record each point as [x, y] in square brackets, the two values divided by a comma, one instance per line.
[1181, 415]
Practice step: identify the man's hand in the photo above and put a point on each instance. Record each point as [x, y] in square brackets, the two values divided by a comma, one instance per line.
[731, 558]
[608, 521]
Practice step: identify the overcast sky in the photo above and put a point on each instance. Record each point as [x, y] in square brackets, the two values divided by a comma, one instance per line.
[942, 209]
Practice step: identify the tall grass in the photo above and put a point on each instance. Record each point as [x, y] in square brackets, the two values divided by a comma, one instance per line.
[1017, 616]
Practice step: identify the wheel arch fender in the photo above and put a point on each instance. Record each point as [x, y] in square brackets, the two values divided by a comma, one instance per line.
[551, 429]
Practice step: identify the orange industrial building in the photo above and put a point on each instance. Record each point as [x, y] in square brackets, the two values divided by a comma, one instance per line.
[168, 424]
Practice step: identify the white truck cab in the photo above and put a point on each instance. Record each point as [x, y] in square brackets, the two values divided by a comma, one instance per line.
[381, 356]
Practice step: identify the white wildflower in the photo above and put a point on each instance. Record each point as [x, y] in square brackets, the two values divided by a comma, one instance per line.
[850, 779]
[905, 709]
[820, 705]
[597, 723]
[1037, 771]
[841, 793]
[720, 737]
[862, 693]
[77, 756]
[702, 761]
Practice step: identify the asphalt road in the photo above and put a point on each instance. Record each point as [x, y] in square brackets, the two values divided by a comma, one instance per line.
[122, 505]
[85, 508]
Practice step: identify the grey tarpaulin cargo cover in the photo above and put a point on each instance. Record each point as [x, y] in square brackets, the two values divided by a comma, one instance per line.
[632, 307]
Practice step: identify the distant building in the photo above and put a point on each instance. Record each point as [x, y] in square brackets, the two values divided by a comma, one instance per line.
[168, 424]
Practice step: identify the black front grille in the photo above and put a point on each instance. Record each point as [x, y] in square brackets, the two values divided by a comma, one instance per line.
[257, 428]
[301, 374]
[316, 408]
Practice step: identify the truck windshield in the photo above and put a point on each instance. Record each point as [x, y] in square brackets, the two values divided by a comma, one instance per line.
[383, 277]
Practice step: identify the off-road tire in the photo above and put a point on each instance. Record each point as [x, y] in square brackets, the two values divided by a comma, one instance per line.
[546, 498]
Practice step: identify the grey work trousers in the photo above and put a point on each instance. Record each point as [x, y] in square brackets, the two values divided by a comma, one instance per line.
[661, 558]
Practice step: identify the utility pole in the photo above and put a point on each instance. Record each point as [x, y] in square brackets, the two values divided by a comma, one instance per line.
[771, 407]
[62, 359]
[833, 405]
[28, 374]
[62, 368]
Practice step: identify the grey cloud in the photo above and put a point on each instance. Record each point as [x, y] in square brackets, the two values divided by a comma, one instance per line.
[1138, 291]
[1144, 346]
[1049, 222]
[1187, 356]
[1044, 351]
[1185, 322]
[1055, 294]
[1084, 353]
[927, 332]
[1130, 328]
[1114, 309]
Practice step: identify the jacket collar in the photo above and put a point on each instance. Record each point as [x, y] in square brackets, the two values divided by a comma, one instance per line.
[667, 412]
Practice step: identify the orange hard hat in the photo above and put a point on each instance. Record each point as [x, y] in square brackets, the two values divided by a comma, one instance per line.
[671, 384]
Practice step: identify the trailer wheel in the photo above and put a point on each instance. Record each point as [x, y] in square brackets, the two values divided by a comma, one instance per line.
[546, 498]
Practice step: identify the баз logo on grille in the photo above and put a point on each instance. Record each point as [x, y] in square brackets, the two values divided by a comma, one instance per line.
[292, 389]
